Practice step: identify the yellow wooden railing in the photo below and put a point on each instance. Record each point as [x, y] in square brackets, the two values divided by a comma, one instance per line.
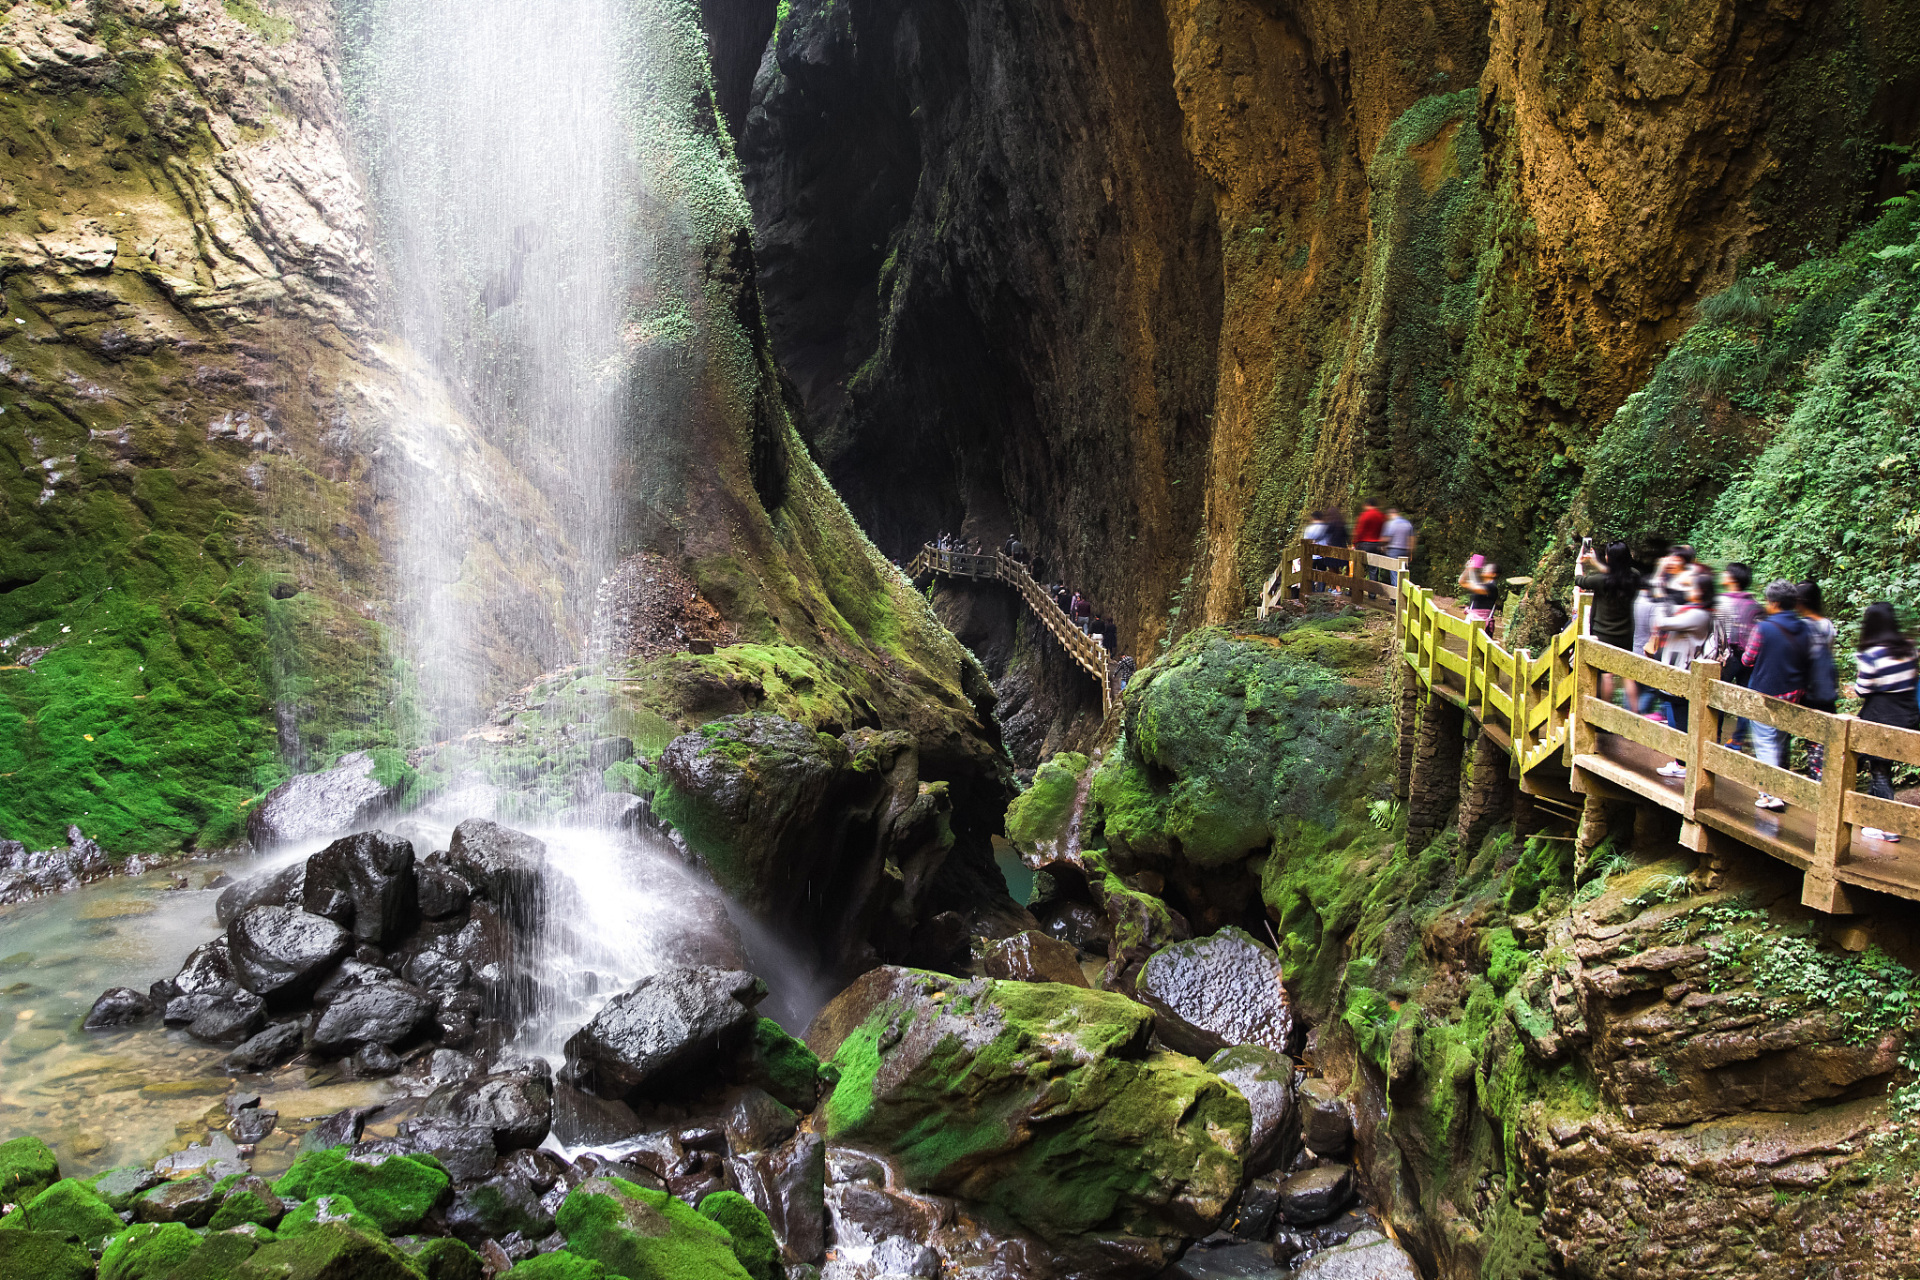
[1085, 650]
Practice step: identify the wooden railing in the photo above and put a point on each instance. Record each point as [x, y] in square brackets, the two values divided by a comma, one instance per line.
[1546, 706]
[1085, 650]
[1346, 573]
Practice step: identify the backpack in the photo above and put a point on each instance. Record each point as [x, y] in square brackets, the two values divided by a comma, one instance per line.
[1718, 646]
[1823, 682]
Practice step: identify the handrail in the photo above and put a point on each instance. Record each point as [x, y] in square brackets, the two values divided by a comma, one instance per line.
[1547, 706]
[1086, 651]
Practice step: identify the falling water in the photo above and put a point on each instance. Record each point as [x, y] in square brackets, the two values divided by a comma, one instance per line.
[507, 190]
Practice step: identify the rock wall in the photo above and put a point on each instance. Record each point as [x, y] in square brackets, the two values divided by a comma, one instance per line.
[1147, 282]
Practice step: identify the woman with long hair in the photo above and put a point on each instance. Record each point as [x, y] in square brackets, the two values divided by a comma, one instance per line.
[1614, 583]
[1679, 636]
[1884, 680]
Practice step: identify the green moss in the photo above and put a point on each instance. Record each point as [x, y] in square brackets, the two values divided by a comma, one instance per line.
[147, 1251]
[246, 1206]
[635, 1231]
[332, 1251]
[219, 1256]
[1042, 810]
[448, 1259]
[27, 1168]
[43, 1255]
[312, 1214]
[784, 1066]
[558, 1265]
[68, 1208]
[753, 1240]
[396, 1193]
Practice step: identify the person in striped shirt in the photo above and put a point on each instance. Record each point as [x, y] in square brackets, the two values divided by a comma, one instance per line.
[1884, 680]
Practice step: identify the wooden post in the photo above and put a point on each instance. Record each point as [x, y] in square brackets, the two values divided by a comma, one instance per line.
[1831, 834]
[1522, 702]
[1701, 729]
[1585, 739]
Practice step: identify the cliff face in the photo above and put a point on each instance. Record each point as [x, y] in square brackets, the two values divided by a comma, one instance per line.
[214, 435]
[1146, 283]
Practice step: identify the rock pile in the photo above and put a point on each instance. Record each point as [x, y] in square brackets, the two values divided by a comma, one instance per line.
[25, 874]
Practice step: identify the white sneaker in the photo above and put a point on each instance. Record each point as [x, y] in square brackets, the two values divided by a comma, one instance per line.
[1890, 837]
[1872, 833]
[1674, 770]
[1765, 801]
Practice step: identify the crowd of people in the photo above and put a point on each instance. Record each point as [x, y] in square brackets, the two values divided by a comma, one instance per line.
[1383, 531]
[1078, 608]
[1781, 645]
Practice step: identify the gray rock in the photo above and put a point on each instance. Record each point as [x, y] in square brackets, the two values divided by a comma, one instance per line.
[385, 1013]
[758, 1121]
[350, 974]
[1367, 1255]
[25, 875]
[371, 1060]
[436, 970]
[1252, 1217]
[1326, 1122]
[1314, 1195]
[209, 967]
[466, 1150]
[1210, 993]
[1265, 1078]
[673, 1028]
[313, 806]
[190, 1202]
[281, 954]
[496, 1207]
[515, 1106]
[443, 893]
[267, 1049]
[1226, 1262]
[373, 873]
[229, 1018]
[117, 1007]
[250, 1124]
[502, 864]
[267, 889]
[341, 1129]
[118, 1187]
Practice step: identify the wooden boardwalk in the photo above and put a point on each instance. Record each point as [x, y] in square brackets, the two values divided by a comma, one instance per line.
[1086, 652]
[1544, 711]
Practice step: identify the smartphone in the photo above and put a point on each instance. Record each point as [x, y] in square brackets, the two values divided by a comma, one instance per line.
[1586, 546]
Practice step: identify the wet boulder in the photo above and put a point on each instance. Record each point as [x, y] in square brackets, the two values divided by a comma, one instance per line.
[341, 1129]
[251, 1199]
[229, 1018]
[1326, 1122]
[671, 1030]
[1314, 1195]
[118, 1187]
[309, 806]
[496, 1206]
[25, 875]
[281, 954]
[190, 1202]
[514, 1105]
[395, 1191]
[502, 864]
[266, 889]
[384, 1013]
[1249, 1261]
[635, 1231]
[1094, 1131]
[1209, 993]
[250, 1124]
[1032, 956]
[1265, 1079]
[369, 878]
[268, 1048]
[758, 1121]
[69, 1209]
[443, 893]
[209, 967]
[788, 1184]
[117, 1007]
[1366, 1255]
[465, 1150]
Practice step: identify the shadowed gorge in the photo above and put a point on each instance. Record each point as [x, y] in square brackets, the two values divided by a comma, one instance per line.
[746, 638]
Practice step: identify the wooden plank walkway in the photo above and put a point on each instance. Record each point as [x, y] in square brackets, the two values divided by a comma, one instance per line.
[1546, 707]
[1086, 651]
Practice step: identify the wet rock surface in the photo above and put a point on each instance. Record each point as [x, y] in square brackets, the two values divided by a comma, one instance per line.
[364, 883]
[282, 953]
[25, 874]
[669, 1027]
[308, 806]
[1265, 1079]
[1214, 992]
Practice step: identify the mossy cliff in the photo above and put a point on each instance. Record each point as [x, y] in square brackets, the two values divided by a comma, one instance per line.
[1551, 1073]
[1145, 282]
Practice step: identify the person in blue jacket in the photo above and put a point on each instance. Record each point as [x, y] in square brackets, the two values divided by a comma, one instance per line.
[1778, 656]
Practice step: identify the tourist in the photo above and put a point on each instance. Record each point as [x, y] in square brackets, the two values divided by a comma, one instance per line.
[1670, 577]
[1109, 634]
[1645, 613]
[1679, 637]
[1400, 537]
[1369, 534]
[1738, 612]
[1884, 681]
[1480, 582]
[1823, 680]
[1335, 536]
[1081, 611]
[1615, 584]
[1123, 669]
[1777, 655]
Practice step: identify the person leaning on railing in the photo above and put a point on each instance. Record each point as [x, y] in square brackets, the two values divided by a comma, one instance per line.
[1884, 680]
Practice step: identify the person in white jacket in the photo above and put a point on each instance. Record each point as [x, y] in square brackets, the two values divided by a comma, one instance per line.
[1678, 637]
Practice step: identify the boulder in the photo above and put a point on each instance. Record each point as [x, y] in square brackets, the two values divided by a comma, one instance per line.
[502, 864]
[230, 1018]
[395, 1191]
[374, 1059]
[1265, 1079]
[251, 1199]
[117, 1007]
[465, 1150]
[758, 1121]
[1366, 1255]
[497, 1206]
[341, 1129]
[1032, 956]
[147, 1250]
[25, 875]
[68, 1209]
[1253, 1215]
[635, 1231]
[266, 889]
[436, 970]
[1326, 1122]
[43, 1255]
[371, 873]
[27, 1168]
[349, 974]
[515, 1106]
[250, 1124]
[1314, 1195]
[1210, 993]
[267, 1049]
[191, 1202]
[789, 1185]
[119, 1187]
[281, 954]
[384, 1013]
[672, 1029]
[328, 1250]
[1226, 1262]
[753, 1241]
[443, 893]
[209, 968]
[1082, 1127]
[333, 802]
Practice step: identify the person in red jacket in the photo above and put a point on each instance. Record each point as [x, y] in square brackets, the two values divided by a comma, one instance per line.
[1369, 532]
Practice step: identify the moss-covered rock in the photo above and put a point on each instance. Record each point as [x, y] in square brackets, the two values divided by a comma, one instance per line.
[561, 1264]
[120, 1187]
[1228, 738]
[636, 1232]
[1041, 1100]
[248, 1204]
[1041, 813]
[27, 1168]
[753, 1240]
[447, 1259]
[395, 1191]
[69, 1208]
[43, 1255]
[219, 1255]
[330, 1251]
[324, 1210]
[784, 1066]
[147, 1251]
